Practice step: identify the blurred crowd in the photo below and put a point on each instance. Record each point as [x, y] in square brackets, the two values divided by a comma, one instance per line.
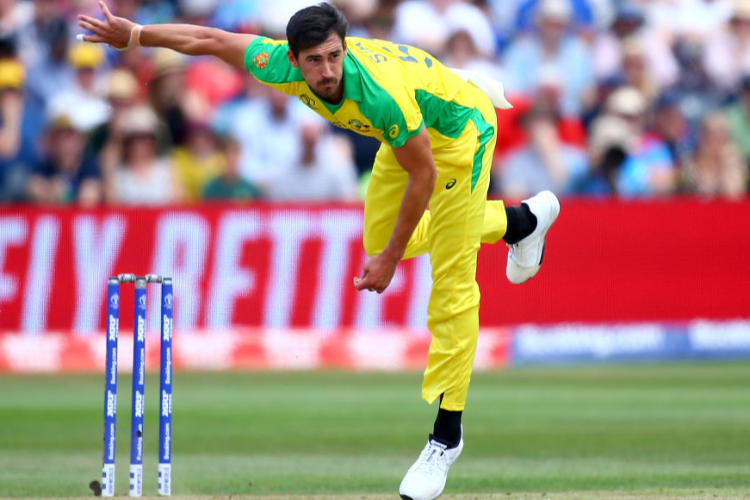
[629, 98]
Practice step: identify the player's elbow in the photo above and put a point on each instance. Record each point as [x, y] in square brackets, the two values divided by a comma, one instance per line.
[426, 176]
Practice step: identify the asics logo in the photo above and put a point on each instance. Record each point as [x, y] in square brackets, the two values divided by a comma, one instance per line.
[450, 184]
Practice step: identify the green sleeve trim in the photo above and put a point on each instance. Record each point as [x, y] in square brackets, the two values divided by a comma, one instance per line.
[402, 137]
[267, 61]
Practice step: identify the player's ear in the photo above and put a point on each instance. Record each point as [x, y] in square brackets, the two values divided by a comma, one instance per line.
[346, 51]
[292, 59]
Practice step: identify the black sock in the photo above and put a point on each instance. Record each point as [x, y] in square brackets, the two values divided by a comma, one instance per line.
[521, 223]
[447, 428]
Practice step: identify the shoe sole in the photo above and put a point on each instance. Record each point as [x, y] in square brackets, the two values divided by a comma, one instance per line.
[552, 221]
[544, 237]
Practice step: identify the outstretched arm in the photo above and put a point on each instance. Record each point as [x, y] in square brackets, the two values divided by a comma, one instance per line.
[188, 39]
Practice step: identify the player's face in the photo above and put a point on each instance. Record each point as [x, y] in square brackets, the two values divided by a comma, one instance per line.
[322, 67]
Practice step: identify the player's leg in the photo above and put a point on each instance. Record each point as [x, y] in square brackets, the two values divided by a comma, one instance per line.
[454, 236]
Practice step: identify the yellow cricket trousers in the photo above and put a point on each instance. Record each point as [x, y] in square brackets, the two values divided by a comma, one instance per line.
[458, 219]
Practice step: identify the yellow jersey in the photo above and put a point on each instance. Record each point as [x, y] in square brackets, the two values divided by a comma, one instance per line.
[390, 90]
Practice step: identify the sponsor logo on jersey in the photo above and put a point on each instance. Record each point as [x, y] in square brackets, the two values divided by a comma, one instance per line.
[450, 184]
[393, 131]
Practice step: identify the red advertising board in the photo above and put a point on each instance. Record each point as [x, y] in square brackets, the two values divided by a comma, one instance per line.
[292, 267]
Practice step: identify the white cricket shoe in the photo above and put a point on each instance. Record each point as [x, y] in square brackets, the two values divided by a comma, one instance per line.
[425, 479]
[525, 257]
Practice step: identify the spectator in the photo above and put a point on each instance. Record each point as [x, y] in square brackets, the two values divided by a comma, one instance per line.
[697, 20]
[226, 115]
[670, 125]
[552, 47]
[738, 115]
[14, 17]
[357, 12]
[121, 92]
[603, 90]
[461, 52]
[66, 175]
[31, 32]
[545, 163]
[427, 23]
[209, 82]
[727, 53]
[612, 138]
[717, 169]
[635, 72]
[167, 94]
[51, 74]
[324, 172]
[547, 96]
[83, 96]
[609, 47]
[14, 144]
[646, 167]
[582, 16]
[198, 161]
[270, 130]
[229, 185]
[380, 23]
[134, 174]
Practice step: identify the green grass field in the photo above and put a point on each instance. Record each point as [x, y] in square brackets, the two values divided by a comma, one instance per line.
[624, 432]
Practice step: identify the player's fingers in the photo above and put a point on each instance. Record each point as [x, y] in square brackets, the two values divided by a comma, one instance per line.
[91, 38]
[359, 284]
[106, 11]
[92, 21]
[363, 283]
[91, 27]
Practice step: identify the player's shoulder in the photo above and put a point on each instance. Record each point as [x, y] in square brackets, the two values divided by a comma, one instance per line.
[268, 61]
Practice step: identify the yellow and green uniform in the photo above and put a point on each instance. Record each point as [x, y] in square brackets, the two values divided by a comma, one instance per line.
[390, 92]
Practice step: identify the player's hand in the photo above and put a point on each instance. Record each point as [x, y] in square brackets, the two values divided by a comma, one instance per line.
[113, 30]
[377, 273]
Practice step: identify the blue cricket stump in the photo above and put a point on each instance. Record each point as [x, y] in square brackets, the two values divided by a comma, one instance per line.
[110, 388]
[139, 380]
[165, 389]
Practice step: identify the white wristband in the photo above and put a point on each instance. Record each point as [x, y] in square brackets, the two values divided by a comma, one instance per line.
[134, 40]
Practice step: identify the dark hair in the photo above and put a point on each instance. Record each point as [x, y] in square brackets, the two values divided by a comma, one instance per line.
[313, 25]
